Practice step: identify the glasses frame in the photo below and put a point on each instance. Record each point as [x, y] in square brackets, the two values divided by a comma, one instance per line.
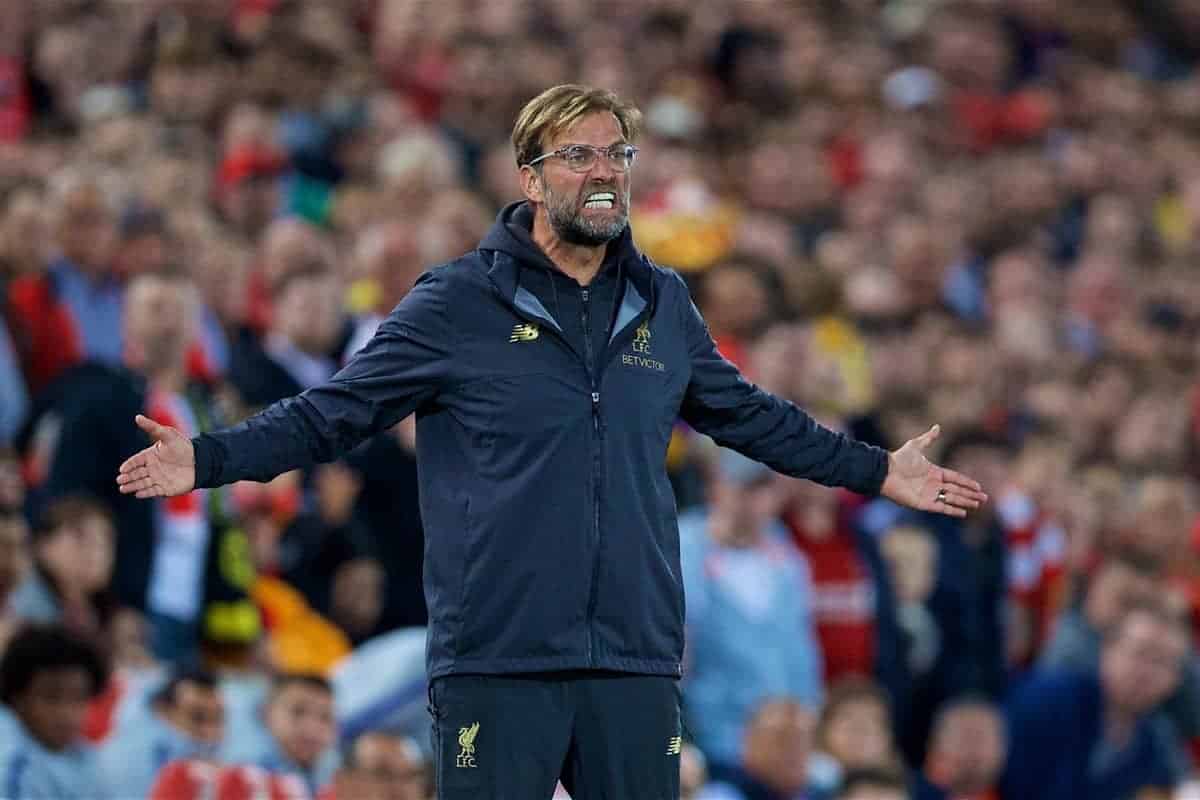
[630, 151]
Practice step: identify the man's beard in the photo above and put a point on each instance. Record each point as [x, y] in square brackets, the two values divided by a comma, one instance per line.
[573, 227]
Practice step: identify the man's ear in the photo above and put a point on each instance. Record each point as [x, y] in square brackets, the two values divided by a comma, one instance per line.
[531, 184]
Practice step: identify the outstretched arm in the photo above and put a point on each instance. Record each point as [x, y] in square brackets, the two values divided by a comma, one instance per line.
[720, 402]
[403, 366]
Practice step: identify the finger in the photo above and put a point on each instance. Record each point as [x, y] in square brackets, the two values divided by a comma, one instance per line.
[145, 494]
[929, 437]
[960, 500]
[962, 481]
[136, 473]
[151, 427]
[134, 461]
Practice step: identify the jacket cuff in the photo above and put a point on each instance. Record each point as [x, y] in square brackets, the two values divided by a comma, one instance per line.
[205, 452]
[872, 480]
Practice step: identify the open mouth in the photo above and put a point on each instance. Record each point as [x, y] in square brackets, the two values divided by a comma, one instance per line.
[600, 200]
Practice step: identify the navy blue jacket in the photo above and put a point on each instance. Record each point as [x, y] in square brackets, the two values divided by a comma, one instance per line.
[551, 539]
[1055, 722]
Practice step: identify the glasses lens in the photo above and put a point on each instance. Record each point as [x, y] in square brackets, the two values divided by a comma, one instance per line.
[579, 159]
[622, 157]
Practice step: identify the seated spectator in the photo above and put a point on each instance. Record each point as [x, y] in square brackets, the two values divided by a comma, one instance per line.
[379, 766]
[966, 753]
[1120, 582]
[73, 550]
[1089, 735]
[298, 732]
[748, 615]
[47, 677]
[775, 757]
[873, 784]
[184, 720]
[855, 729]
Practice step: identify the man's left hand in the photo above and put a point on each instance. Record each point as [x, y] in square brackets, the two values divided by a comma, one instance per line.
[914, 481]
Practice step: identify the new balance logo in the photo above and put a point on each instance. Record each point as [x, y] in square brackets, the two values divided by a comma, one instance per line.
[523, 333]
[674, 745]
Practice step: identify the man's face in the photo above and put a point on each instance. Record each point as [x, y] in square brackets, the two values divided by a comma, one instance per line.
[876, 793]
[198, 712]
[391, 767]
[300, 717]
[1142, 663]
[80, 554]
[565, 193]
[778, 742]
[1115, 588]
[158, 323]
[87, 231]
[54, 705]
[969, 750]
[858, 734]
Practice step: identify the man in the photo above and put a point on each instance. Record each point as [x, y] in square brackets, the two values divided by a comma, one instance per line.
[1090, 735]
[749, 615]
[966, 753]
[47, 678]
[547, 369]
[161, 552]
[300, 730]
[379, 766]
[186, 720]
[872, 784]
[775, 757]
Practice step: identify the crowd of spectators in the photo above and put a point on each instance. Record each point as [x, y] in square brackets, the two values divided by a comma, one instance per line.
[980, 213]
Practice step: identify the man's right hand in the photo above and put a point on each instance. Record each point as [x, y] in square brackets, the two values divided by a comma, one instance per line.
[164, 469]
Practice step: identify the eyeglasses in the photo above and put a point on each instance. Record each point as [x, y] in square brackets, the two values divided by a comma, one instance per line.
[582, 157]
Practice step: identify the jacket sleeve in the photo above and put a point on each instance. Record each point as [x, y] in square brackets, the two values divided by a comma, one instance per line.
[721, 403]
[404, 366]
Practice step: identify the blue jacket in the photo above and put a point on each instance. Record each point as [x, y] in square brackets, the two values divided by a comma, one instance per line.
[551, 539]
[133, 754]
[29, 771]
[750, 633]
[1055, 732]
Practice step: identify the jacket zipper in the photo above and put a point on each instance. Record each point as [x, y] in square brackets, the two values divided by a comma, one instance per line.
[597, 446]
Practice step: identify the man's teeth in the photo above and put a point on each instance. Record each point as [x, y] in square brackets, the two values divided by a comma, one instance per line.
[600, 200]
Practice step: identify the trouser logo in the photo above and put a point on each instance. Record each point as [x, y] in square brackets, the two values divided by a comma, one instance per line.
[466, 741]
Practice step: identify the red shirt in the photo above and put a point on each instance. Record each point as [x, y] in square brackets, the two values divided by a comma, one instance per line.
[843, 603]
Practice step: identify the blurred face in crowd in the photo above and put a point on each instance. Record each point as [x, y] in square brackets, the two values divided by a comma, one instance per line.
[857, 734]
[877, 792]
[159, 323]
[357, 596]
[911, 554]
[693, 772]
[386, 767]
[87, 229]
[23, 233]
[14, 553]
[79, 555]
[1141, 662]
[1115, 587]
[198, 711]
[777, 744]
[565, 194]
[735, 301]
[967, 750]
[53, 707]
[743, 498]
[300, 717]
[12, 487]
[308, 311]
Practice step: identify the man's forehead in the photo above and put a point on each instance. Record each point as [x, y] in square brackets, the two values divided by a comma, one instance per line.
[599, 128]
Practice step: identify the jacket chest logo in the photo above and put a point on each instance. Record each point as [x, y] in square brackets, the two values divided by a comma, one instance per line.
[640, 357]
[523, 332]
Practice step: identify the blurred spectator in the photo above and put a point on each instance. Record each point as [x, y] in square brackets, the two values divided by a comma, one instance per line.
[184, 720]
[1091, 735]
[749, 619]
[14, 397]
[855, 728]
[298, 732]
[775, 756]
[47, 677]
[380, 766]
[73, 550]
[873, 784]
[967, 751]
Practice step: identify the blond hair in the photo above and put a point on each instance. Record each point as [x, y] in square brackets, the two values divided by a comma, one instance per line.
[558, 108]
